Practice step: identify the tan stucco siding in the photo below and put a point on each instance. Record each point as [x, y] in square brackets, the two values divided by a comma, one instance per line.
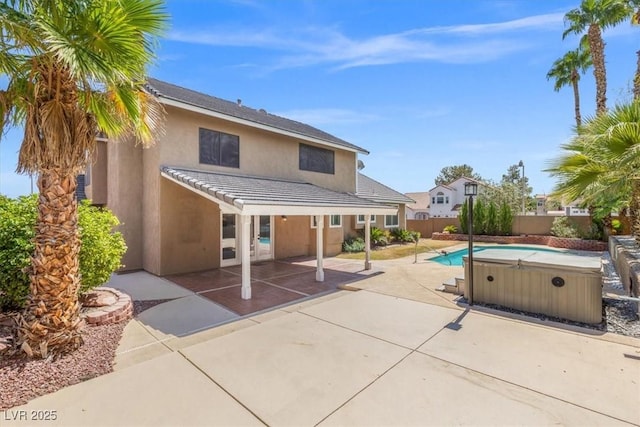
[292, 237]
[262, 153]
[151, 205]
[190, 231]
[124, 196]
[96, 188]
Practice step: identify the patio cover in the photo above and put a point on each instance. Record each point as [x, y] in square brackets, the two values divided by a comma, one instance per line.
[251, 195]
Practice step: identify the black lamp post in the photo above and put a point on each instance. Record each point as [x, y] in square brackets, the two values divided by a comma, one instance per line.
[470, 190]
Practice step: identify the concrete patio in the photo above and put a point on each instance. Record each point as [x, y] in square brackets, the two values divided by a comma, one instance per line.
[397, 352]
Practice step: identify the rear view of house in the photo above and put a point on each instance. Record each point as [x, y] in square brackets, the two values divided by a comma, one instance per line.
[227, 184]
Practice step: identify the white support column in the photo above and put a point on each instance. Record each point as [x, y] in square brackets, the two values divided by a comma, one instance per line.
[319, 247]
[367, 242]
[245, 245]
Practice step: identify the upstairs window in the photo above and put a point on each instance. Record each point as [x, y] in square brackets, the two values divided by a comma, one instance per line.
[440, 198]
[316, 159]
[219, 148]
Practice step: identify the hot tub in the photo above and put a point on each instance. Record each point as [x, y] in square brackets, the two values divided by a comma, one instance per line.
[563, 285]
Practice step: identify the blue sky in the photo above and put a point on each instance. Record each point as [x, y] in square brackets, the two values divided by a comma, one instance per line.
[421, 84]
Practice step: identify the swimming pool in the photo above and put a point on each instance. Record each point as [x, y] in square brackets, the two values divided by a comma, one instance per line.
[455, 258]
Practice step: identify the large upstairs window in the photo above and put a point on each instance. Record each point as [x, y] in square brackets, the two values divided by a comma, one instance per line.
[316, 159]
[219, 148]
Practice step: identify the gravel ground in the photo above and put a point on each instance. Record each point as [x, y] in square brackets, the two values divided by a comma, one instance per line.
[22, 380]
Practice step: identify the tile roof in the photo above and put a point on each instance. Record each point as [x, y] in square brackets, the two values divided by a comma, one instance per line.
[242, 191]
[235, 109]
[422, 200]
[373, 190]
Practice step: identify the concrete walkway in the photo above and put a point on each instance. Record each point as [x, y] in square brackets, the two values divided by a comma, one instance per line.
[395, 353]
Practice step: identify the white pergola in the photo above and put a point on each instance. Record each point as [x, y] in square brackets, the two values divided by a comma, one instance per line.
[251, 196]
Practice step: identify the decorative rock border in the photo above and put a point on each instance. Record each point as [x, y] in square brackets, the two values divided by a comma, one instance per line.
[551, 241]
[114, 313]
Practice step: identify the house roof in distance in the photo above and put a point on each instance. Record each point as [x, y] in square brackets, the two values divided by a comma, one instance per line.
[422, 200]
[247, 115]
[371, 189]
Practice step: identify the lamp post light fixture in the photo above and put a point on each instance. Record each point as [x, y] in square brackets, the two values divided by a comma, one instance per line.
[470, 190]
[524, 190]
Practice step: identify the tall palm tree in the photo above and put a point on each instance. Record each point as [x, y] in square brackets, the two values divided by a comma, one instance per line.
[74, 68]
[567, 70]
[593, 16]
[635, 20]
[602, 163]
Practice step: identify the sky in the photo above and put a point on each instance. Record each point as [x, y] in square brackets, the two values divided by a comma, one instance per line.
[420, 84]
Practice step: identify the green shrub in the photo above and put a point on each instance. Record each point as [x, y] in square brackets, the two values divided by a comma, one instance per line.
[616, 226]
[492, 219]
[100, 253]
[102, 248]
[401, 235]
[379, 237]
[479, 217]
[505, 219]
[464, 217]
[17, 221]
[353, 244]
[563, 227]
[450, 229]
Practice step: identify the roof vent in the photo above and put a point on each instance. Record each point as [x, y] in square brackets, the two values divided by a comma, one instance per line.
[239, 102]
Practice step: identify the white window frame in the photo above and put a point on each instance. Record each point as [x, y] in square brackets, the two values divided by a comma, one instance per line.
[396, 225]
[313, 222]
[332, 225]
[358, 221]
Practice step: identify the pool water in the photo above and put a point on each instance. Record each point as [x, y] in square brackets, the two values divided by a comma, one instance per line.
[455, 258]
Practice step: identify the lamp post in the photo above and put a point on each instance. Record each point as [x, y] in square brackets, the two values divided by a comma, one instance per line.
[470, 190]
[524, 191]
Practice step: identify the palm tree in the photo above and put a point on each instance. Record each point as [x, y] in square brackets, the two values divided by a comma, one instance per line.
[602, 163]
[567, 70]
[74, 68]
[635, 20]
[595, 16]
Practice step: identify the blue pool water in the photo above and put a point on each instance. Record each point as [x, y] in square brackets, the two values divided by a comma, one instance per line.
[455, 258]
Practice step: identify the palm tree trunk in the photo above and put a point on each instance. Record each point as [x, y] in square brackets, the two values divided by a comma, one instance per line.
[636, 80]
[576, 97]
[596, 46]
[51, 322]
[634, 209]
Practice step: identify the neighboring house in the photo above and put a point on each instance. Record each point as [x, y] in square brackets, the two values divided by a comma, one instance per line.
[228, 185]
[446, 200]
[541, 204]
[419, 209]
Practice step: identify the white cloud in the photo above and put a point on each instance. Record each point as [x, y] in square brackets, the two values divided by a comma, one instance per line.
[471, 43]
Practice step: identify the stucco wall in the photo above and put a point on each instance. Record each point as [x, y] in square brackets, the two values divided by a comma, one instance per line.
[262, 153]
[124, 196]
[529, 224]
[189, 231]
[292, 237]
[96, 190]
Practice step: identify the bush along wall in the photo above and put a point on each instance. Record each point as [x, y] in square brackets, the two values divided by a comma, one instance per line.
[100, 254]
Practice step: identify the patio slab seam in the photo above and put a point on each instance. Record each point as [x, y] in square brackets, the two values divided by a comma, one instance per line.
[515, 384]
[283, 287]
[221, 387]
